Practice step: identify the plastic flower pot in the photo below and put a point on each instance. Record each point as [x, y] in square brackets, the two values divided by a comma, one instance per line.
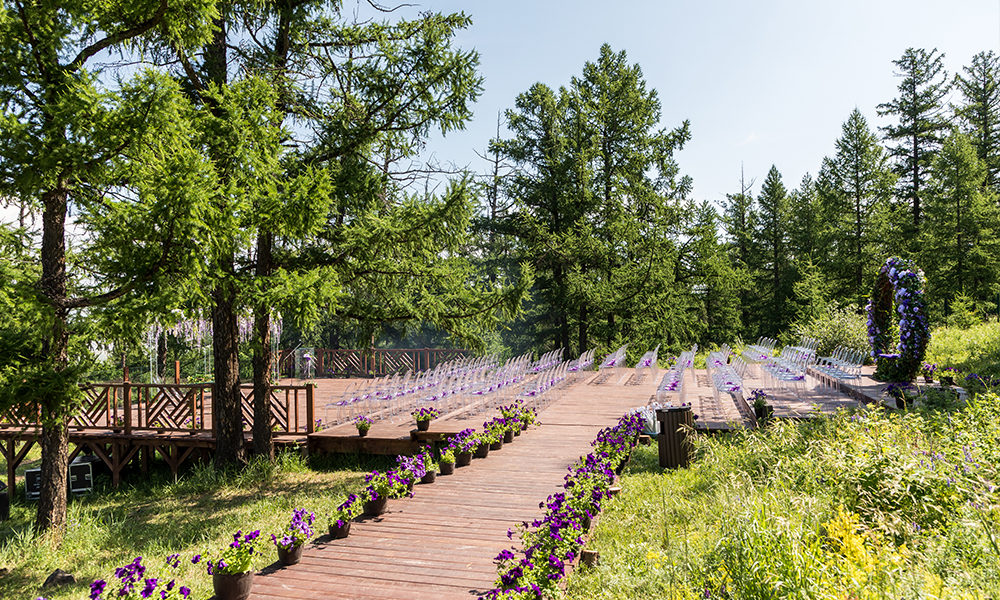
[447, 468]
[340, 532]
[362, 432]
[290, 556]
[508, 436]
[232, 587]
[374, 508]
[496, 445]
[423, 425]
[429, 477]
[482, 451]
[464, 459]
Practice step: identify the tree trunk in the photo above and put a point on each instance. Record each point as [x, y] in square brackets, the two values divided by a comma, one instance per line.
[54, 443]
[51, 513]
[227, 409]
[583, 328]
[263, 442]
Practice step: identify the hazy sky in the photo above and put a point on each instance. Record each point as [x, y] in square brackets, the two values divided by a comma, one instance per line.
[765, 82]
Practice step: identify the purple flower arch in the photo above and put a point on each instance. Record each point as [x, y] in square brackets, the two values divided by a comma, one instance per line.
[901, 284]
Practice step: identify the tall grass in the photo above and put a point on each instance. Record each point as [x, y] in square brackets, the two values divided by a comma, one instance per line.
[158, 516]
[873, 504]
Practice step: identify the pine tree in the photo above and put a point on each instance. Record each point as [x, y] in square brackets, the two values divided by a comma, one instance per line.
[855, 187]
[961, 254]
[775, 279]
[922, 123]
[979, 114]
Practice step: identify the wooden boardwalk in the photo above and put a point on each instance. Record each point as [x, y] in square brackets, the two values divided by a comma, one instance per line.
[441, 543]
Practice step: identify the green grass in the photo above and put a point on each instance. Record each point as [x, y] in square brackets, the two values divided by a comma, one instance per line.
[972, 350]
[843, 507]
[158, 516]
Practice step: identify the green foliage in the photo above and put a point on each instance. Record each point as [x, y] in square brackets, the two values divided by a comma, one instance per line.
[917, 136]
[972, 350]
[979, 112]
[959, 248]
[866, 505]
[155, 516]
[855, 187]
[597, 193]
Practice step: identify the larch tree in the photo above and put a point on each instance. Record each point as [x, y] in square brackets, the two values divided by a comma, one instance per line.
[979, 112]
[119, 152]
[960, 252]
[855, 188]
[922, 122]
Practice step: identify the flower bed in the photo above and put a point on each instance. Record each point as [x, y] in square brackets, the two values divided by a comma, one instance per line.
[552, 543]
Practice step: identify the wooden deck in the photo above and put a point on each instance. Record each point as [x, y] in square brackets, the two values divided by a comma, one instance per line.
[441, 543]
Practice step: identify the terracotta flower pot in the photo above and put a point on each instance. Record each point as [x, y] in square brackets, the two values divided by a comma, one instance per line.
[423, 425]
[291, 555]
[232, 587]
[340, 532]
[447, 468]
[463, 459]
[374, 508]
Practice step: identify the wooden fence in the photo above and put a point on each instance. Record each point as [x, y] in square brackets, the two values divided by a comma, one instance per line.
[374, 362]
[172, 408]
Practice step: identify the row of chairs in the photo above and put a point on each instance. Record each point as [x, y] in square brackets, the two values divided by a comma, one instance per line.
[615, 362]
[726, 375]
[585, 364]
[674, 380]
[392, 396]
[648, 362]
[789, 369]
[844, 364]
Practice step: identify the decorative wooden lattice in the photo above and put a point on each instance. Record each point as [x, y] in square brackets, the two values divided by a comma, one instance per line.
[168, 407]
[372, 362]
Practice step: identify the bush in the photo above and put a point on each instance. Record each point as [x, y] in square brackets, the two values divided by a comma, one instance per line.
[836, 326]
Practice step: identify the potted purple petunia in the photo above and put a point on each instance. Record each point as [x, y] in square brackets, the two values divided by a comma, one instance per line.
[292, 541]
[363, 423]
[447, 462]
[424, 415]
[232, 572]
[382, 487]
[340, 520]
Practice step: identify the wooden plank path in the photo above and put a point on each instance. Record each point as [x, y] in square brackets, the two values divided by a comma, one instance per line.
[441, 543]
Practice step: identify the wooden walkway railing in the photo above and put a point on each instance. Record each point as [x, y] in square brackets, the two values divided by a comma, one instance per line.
[373, 362]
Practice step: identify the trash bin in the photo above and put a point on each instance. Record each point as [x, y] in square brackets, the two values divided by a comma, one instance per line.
[675, 450]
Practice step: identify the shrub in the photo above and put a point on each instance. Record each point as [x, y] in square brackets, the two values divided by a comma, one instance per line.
[836, 326]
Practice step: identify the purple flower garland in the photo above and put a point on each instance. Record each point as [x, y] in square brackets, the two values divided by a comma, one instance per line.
[899, 283]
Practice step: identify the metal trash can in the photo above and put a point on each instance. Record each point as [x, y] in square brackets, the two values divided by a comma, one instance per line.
[675, 450]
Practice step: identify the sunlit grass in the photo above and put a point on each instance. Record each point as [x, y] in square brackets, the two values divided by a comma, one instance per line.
[156, 517]
[872, 505]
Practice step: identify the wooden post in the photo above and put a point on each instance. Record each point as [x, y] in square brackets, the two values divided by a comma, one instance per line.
[177, 372]
[310, 409]
[127, 400]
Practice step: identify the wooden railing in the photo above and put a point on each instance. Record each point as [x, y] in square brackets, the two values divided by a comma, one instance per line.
[374, 362]
[165, 407]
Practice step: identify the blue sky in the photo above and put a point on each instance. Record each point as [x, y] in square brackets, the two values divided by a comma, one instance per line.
[762, 82]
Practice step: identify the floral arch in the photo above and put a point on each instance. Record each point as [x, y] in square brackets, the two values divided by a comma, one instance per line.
[899, 284]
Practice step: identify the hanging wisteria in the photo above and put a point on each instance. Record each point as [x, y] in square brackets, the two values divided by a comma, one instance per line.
[196, 333]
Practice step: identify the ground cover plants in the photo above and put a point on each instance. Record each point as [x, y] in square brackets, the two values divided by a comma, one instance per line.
[867, 504]
[157, 517]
